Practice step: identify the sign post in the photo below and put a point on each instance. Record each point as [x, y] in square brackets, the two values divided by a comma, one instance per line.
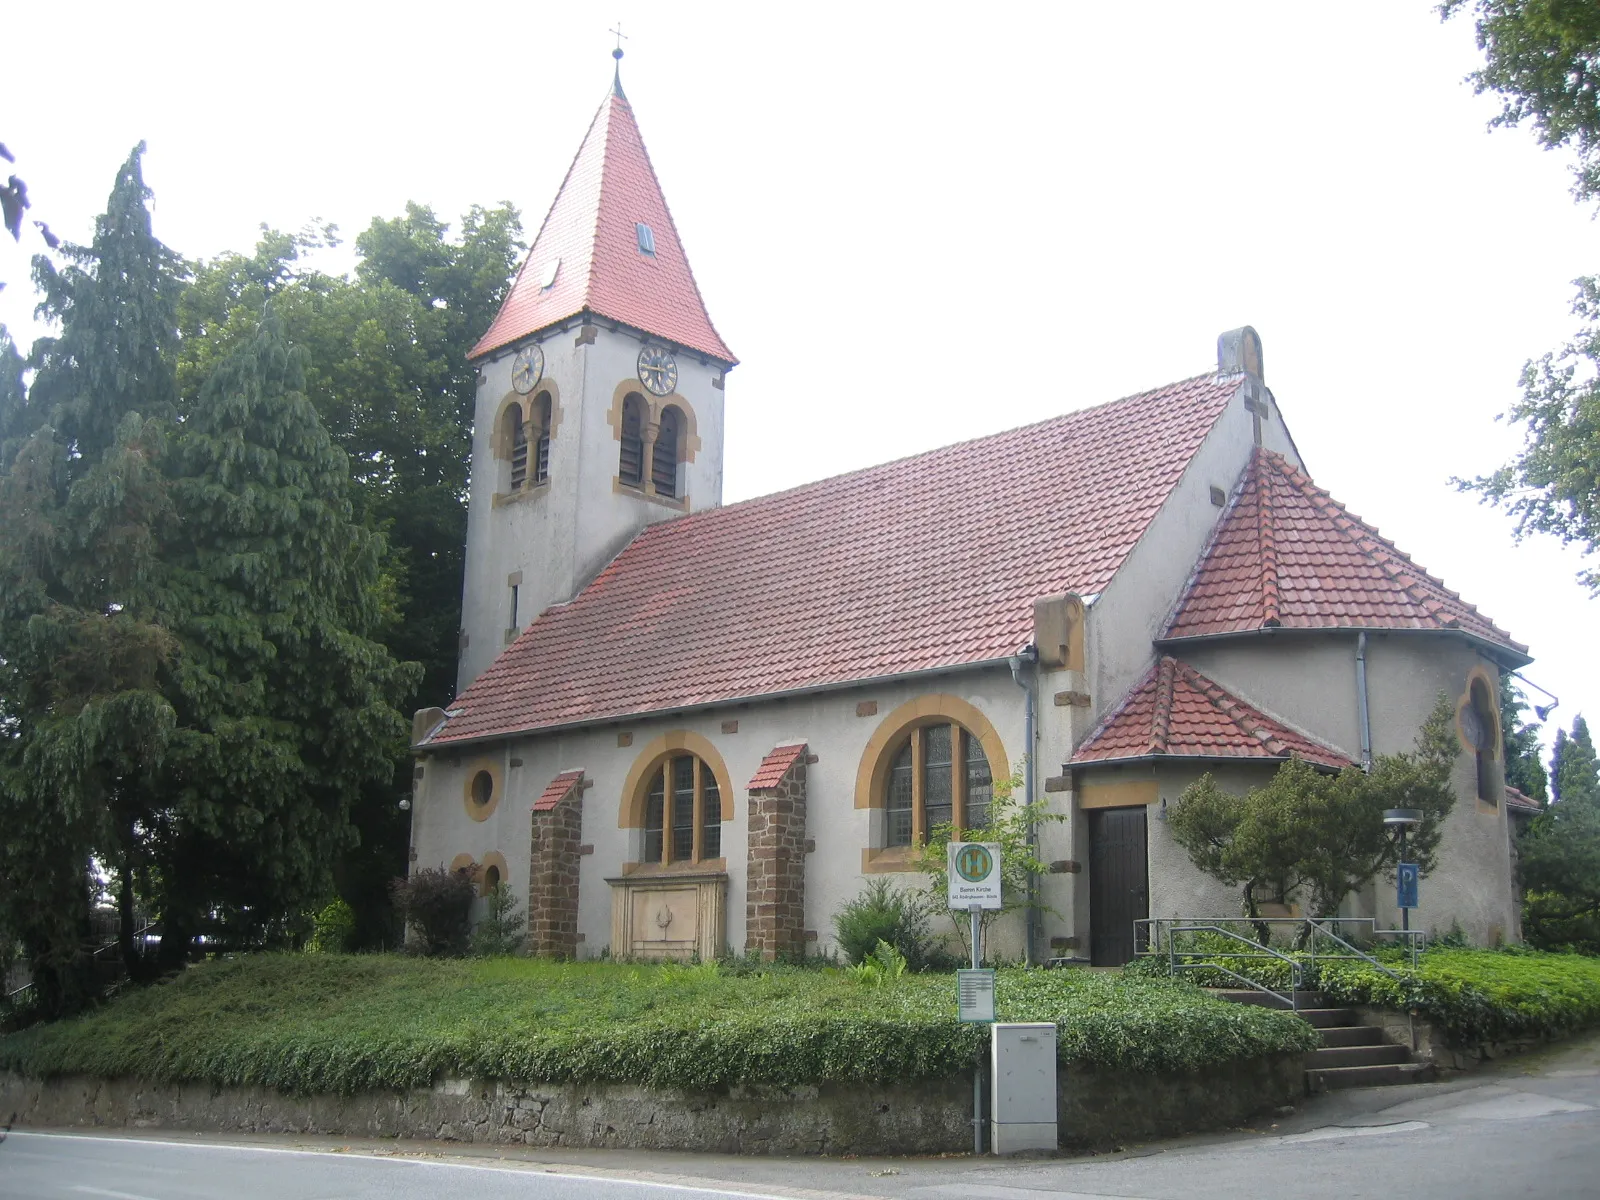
[973, 872]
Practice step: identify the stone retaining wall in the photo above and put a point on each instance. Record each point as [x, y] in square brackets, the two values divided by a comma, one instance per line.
[1428, 1043]
[1097, 1109]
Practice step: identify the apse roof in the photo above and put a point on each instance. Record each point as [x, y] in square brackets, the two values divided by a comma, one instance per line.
[1286, 555]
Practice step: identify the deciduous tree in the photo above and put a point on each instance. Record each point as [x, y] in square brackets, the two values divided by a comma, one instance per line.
[1543, 61]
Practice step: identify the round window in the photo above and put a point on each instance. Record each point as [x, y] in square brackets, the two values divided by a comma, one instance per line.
[491, 878]
[482, 788]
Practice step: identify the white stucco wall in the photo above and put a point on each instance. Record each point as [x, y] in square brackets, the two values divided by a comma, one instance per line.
[1309, 681]
[826, 722]
[561, 535]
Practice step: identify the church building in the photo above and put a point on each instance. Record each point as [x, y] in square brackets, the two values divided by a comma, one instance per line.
[687, 728]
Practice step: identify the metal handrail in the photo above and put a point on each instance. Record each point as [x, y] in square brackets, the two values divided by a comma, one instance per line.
[1292, 1000]
[1316, 928]
[1153, 926]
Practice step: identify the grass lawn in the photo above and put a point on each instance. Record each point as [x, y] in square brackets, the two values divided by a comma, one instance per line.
[337, 1023]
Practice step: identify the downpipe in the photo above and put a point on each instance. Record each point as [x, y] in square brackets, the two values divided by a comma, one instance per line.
[1024, 674]
[1363, 716]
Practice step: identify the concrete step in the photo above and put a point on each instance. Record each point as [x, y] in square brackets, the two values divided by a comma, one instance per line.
[1356, 1056]
[1325, 1018]
[1329, 1078]
[1250, 996]
[1352, 1035]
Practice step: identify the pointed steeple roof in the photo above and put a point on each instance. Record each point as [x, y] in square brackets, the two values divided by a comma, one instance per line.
[1176, 712]
[1286, 555]
[588, 258]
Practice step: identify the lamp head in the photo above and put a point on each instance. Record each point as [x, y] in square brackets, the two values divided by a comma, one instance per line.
[1402, 818]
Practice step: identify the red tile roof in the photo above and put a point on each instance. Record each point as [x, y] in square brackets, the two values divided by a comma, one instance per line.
[775, 766]
[929, 562]
[591, 230]
[1516, 801]
[557, 790]
[1175, 711]
[1287, 555]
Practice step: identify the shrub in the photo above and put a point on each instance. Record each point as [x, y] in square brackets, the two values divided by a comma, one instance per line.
[501, 930]
[346, 1023]
[334, 929]
[1471, 996]
[883, 913]
[437, 905]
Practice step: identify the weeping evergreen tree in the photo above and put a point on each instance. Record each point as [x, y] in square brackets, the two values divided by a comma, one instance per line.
[81, 503]
[286, 707]
[189, 695]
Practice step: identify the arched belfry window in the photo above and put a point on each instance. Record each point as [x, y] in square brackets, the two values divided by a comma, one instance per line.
[682, 812]
[541, 457]
[516, 440]
[630, 467]
[938, 774]
[664, 457]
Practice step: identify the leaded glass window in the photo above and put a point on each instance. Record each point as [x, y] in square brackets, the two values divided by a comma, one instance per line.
[682, 812]
[939, 775]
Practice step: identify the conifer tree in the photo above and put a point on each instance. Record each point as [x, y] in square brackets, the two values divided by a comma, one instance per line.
[81, 504]
[1520, 745]
[286, 708]
[1577, 773]
[117, 304]
[1559, 856]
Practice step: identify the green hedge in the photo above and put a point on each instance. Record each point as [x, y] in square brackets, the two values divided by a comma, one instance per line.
[1471, 996]
[334, 1023]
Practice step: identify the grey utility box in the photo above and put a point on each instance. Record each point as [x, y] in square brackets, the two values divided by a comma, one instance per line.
[1022, 1105]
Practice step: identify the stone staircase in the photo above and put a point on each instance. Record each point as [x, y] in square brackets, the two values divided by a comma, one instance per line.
[1351, 1055]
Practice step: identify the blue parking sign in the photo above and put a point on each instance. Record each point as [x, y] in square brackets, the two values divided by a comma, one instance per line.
[1406, 876]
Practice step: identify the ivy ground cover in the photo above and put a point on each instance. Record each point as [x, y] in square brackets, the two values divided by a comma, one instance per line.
[335, 1023]
[1472, 996]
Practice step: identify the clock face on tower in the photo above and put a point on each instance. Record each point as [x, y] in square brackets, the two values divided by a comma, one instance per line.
[528, 369]
[658, 370]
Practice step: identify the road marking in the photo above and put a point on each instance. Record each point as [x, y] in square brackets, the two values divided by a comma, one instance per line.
[677, 1183]
[1334, 1132]
[94, 1191]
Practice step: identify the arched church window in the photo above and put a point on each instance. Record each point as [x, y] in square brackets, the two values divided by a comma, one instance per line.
[541, 457]
[1482, 726]
[516, 437]
[939, 774]
[664, 457]
[630, 466]
[682, 812]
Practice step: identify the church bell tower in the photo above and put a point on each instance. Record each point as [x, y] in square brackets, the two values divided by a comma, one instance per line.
[600, 388]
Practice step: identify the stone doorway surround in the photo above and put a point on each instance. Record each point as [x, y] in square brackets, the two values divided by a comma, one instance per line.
[670, 914]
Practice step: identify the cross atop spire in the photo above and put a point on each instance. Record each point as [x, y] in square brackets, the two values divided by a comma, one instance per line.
[616, 76]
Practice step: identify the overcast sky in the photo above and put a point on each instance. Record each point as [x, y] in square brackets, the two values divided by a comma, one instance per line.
[916, 224]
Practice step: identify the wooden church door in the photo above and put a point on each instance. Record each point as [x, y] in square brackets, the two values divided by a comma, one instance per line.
[1119, 883]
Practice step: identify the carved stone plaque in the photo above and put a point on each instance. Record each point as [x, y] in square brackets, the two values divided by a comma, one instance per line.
[668, 916]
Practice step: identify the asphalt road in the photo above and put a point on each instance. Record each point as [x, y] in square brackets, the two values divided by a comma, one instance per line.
[1528, 1127]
